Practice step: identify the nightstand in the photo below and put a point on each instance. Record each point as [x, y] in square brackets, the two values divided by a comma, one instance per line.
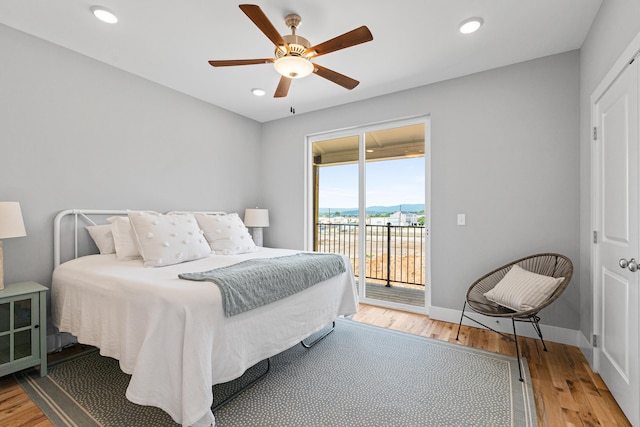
[23, 327]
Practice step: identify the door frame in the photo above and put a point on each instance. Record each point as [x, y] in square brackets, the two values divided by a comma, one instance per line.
[618, 68]
[309, 196]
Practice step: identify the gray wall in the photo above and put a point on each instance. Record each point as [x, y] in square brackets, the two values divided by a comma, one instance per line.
[613, 29]
[505, 151]
[76, 133]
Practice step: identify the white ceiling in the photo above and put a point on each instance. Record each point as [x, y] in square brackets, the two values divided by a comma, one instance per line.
[415, 42]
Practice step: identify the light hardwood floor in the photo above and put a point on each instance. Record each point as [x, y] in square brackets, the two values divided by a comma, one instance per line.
[567, 392]
[16, 409]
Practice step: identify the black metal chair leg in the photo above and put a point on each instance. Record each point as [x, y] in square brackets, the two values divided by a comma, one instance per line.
[536, 326]
[461, 317]
[515, 336]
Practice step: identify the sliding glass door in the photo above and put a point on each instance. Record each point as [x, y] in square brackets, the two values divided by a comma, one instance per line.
[368, 199]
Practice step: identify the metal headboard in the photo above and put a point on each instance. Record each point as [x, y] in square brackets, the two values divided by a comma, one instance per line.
[77, 215]
[81, 218]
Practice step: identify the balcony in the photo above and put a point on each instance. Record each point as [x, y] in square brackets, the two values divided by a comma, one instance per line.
[394, 265]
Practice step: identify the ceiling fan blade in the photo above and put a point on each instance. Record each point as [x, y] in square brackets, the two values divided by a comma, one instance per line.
[337, 78]
[283, 87]
[233, 62]
[262, 22]
[352, 38]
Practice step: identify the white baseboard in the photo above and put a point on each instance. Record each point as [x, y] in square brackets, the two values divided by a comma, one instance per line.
[550, 333]
[587, 349]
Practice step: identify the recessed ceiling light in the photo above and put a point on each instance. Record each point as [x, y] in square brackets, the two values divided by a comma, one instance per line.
[104, 14]
[258, 92]
[471, 25]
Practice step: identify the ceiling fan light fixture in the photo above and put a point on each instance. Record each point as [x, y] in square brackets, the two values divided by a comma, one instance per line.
[293, 67]
[104, 14]
[471, 25]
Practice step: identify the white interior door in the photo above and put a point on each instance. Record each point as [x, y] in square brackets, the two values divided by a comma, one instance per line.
[618, 250]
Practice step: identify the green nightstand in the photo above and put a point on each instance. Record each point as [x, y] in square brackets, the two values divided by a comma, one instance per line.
[23, 327]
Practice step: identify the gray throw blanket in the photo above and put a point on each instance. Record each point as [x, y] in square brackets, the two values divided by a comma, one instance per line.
[257, 282]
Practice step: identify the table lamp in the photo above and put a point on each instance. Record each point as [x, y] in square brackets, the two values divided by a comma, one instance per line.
[11, 225]
[256, 219]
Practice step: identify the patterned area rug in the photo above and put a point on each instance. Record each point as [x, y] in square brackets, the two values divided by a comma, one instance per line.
[360, 375]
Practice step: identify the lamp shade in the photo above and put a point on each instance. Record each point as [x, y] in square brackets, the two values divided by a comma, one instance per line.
[11, 223]
[293, 67]
[256, 217]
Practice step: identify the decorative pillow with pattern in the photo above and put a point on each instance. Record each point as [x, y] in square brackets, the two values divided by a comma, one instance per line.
[522, 290]
[168, 239]
[226, 233]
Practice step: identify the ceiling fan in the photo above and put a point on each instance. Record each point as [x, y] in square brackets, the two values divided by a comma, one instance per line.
[293, 53]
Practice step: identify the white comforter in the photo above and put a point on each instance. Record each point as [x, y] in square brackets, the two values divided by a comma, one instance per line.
[171, 334]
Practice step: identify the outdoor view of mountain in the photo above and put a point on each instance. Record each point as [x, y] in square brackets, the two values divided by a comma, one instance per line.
[374, 210]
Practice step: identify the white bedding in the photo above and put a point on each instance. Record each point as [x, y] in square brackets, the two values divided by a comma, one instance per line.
[171, 334]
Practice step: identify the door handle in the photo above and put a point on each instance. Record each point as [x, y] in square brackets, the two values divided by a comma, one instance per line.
[632, 264]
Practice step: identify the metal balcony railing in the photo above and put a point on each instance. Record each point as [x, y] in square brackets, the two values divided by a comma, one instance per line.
[394, 254]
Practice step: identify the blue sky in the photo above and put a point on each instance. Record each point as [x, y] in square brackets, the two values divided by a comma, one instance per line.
[389, 183]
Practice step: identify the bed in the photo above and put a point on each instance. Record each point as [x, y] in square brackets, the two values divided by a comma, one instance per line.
[171, 335]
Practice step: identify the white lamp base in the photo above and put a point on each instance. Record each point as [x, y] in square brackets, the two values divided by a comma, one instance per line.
[256, 234]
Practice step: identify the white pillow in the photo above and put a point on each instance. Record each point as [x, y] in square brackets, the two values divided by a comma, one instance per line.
[168, 239]
[226, 233]
[123, 238]
[522, 290]
[102, 237]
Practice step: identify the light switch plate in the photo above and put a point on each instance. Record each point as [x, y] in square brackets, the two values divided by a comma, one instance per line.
[462, 220]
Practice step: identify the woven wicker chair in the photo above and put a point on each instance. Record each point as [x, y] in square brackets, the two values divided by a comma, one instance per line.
[548, 264]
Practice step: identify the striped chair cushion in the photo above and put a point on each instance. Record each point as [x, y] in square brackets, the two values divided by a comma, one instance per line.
[522, 290]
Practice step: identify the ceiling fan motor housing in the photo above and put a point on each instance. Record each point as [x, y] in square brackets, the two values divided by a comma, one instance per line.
[297, 46]
[293, 63]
